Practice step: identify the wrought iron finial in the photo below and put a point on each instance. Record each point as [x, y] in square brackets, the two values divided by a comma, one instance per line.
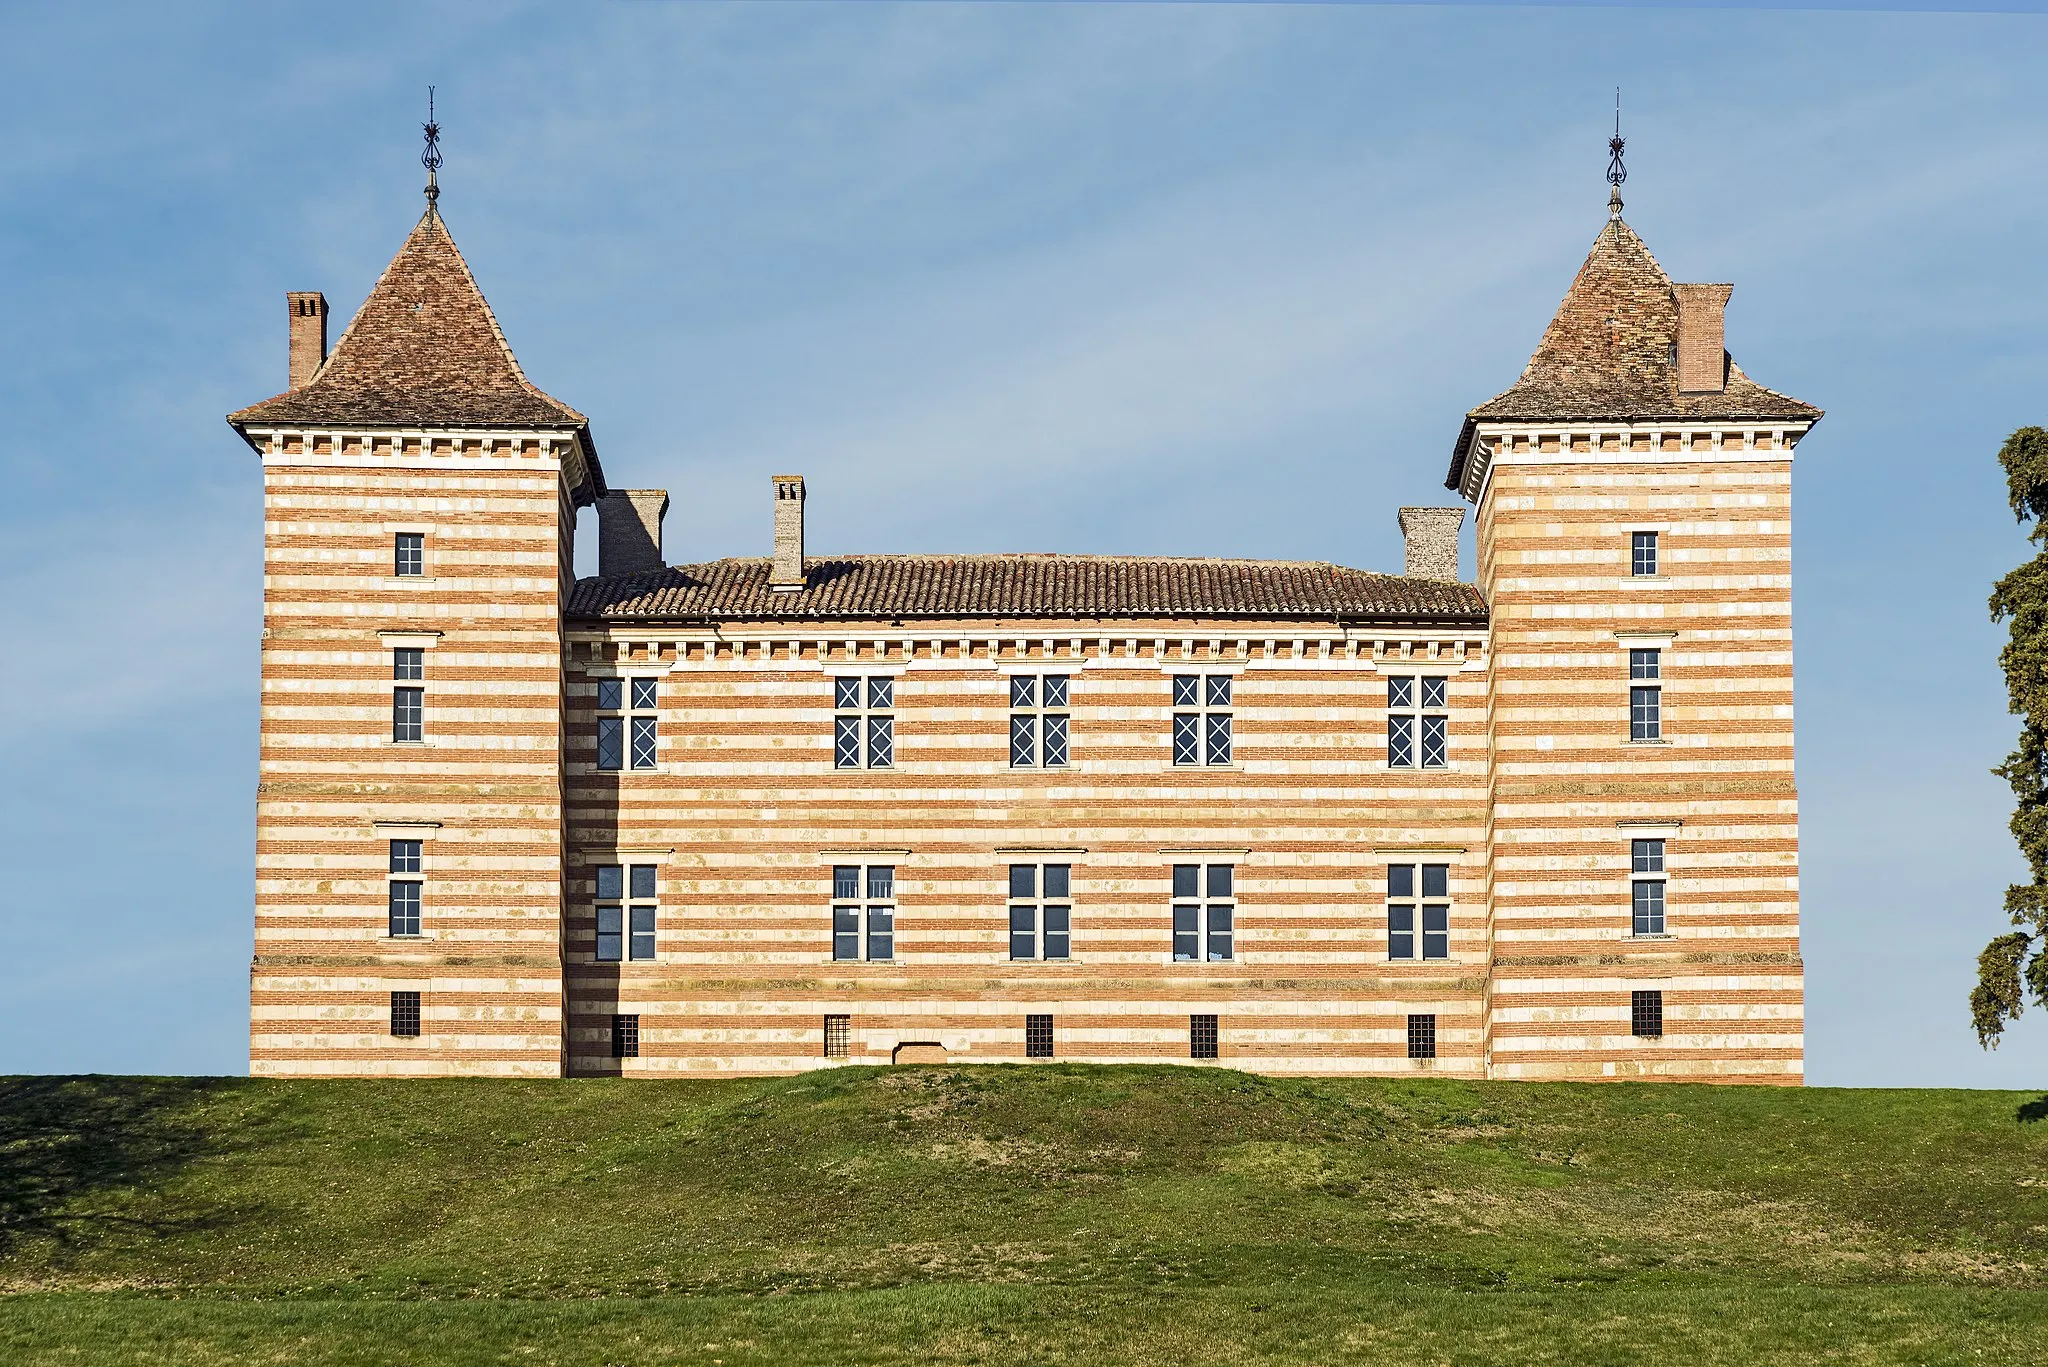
[431, 157]
[1616, 172]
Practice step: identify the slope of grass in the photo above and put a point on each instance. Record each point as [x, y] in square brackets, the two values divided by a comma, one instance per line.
[1050, 1214]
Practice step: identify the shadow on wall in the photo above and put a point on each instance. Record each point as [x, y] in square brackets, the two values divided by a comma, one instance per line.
[82, 1158]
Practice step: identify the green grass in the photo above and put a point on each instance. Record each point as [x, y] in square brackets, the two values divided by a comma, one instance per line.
[1016, 1215]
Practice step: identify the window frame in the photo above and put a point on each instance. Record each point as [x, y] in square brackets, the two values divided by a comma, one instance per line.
[407, 1014]
[1033, 717]
[870, 719]
[1038, 1035]
[1418, 721]
[1422, 1034]
[408, 714]
[1205, 1035]
[1649, 890]
[873, 914]
[1645, 693]
[838, 1036]
[631, 726]
[1201, 711]
[625, 1035]
[1038, 905]
[1411, 913]
[1204, 902]
[633, 911]
[414, 555]
[1641, 540]
[405, 868]
[1646, 1013]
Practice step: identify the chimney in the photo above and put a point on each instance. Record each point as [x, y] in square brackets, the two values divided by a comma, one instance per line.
[1432, 536]
[1702, 350]
[308, 334]
[787, 573]
[629, 530]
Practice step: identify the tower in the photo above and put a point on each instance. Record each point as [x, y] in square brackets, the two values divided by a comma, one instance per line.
[1633, 495]
[420, 499]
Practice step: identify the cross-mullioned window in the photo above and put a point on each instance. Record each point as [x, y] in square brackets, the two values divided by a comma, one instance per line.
[627, 909]
[628, 723]
[1038, 721]
[1642, 553]
[1418, 721]
[863, 723]
[403, 894]
[1418, 911]
[1041, 911]
[1201, 719]
[863, 912]
[1204, 913]
[1645, 695]
[1646, 886]
[408, 713]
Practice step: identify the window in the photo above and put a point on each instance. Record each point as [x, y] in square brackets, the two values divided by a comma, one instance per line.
[625, 1037]
[1642, 553]
[1417, 721]
[1201, 1037]
[863, 912]
[863, 732]
[838, 1036]
[1038, 1037]
[408, 663]
[405, 892]
[625, 912]
[628, 736]
[409, 555]
[1201, 732]
[1038, 721]
[1646, 889]
[1645, 699]
[1040, 929]
[405, 1015]
[1204, 911]
[1422, 1036]
[408, 714]
[1434, 881]
[1646, 1015]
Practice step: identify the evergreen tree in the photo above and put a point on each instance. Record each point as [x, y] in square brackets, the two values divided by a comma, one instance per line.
[2014, 966]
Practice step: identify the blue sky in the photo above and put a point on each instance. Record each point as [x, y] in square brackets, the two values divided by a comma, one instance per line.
[1185, 279]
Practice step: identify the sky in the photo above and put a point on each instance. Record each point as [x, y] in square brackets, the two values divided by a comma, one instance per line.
[1199, 279]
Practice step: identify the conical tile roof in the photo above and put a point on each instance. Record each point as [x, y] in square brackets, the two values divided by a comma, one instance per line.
[1608, 354]
[423, 351]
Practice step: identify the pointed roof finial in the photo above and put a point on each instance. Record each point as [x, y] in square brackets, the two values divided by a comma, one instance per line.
[431, 158]
[1616, 172]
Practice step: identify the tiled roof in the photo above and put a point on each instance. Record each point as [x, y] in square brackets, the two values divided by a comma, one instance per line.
[1042, 586]
[1607, 355]
[423, 351]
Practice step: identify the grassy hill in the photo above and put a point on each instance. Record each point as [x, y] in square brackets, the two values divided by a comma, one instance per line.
[1015, 1215]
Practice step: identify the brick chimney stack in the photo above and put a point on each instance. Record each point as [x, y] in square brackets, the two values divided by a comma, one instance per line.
[787, 573]
[1702, 338]
[1432, 536]
[308, 334]
[629, 530]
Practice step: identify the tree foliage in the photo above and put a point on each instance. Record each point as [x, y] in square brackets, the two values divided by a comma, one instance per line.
[2014, 966]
